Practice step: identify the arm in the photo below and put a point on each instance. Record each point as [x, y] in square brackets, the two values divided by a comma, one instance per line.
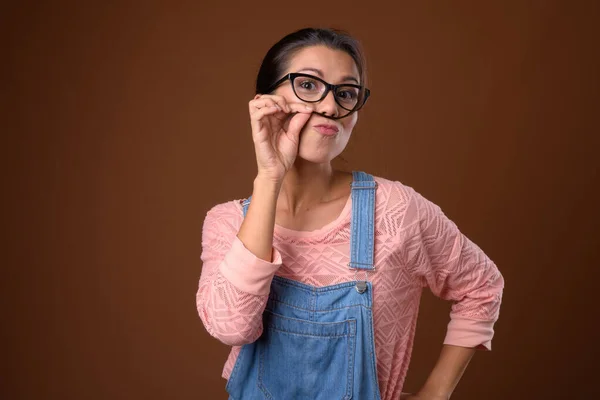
[237, 268]
[446, 374]
[256, 231]
[455, 269]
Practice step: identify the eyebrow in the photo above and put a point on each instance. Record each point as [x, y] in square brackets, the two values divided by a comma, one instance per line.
[320, 73]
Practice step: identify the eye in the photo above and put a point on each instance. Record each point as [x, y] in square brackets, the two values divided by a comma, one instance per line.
[307, 84]
[346, 95]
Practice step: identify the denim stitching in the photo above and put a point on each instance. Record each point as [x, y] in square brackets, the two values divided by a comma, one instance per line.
[326, 325]
[376, 391]
[261, 384]
[350, 377]
[339, 307]
[307, 288]
[283, 331]
[351, 348]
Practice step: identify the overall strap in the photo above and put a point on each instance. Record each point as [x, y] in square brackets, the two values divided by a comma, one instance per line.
[362, 225]
[245, 205]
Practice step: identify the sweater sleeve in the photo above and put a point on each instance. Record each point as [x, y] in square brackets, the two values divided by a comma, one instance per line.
[234, 283]
[455, 269]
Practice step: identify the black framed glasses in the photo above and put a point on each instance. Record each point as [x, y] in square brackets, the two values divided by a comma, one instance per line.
[312, 89]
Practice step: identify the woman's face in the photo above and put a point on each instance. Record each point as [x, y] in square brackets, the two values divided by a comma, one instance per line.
[322, 139]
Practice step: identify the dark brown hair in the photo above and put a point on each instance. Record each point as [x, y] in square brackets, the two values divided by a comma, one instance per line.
[278, 56]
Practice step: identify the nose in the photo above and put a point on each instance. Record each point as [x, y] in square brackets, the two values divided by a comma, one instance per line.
[328, 106]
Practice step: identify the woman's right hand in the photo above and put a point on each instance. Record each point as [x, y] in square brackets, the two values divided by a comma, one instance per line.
[276, 126]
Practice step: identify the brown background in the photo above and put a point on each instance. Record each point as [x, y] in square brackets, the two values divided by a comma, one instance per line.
[125, 123]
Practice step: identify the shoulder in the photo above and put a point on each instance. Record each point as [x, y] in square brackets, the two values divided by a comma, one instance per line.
[400, 206]
[395, 197]
[399, 193]
[388, 189]
[227, 215]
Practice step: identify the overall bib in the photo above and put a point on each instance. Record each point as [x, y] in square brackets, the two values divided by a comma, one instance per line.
[317, 342]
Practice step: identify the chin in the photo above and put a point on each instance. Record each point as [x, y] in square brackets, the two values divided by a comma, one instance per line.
[314, 154]
[315, 158]
[313, 149]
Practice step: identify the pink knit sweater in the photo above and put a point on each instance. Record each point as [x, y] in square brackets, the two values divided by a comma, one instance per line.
[416, 245]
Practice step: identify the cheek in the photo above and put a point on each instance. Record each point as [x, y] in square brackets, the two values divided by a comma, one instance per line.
[348, 123]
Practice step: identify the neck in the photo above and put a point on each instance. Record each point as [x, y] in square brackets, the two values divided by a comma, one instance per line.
[306, 184]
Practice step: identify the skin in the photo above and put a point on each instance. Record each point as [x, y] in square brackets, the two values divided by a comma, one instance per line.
[296, 186]
[312, 192]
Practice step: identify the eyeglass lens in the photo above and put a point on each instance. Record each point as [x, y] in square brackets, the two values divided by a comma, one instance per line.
[310, 89]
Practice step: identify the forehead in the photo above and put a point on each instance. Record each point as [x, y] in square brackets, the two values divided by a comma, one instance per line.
[333, 63]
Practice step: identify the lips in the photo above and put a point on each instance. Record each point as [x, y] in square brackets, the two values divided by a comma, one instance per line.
[326, 129]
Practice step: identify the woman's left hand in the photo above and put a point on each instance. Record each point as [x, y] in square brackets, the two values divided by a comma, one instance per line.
[410, 396]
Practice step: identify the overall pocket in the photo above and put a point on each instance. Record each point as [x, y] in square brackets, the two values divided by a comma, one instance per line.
[306, 360]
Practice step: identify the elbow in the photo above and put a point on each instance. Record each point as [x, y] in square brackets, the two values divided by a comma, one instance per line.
[222, 330]
[235, 340]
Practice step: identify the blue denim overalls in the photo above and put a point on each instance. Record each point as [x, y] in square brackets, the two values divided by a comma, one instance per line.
[317, 342]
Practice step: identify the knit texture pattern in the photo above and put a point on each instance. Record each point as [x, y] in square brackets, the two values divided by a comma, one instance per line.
[416, 246]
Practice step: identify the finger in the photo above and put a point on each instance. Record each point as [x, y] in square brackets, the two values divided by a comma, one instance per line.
[256, 105]
[256, 118]
[296, 124]
[300, 108]
[280, 100]
[294, 108]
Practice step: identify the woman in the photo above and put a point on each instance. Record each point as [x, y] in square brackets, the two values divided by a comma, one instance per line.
[315, 279]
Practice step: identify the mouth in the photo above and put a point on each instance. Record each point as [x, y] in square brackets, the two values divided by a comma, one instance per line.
[326, 129]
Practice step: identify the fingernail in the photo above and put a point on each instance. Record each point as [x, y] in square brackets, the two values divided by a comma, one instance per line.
[308, 108]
